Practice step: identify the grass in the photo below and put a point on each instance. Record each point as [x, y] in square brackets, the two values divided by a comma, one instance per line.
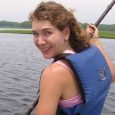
[107, 34]
[102, 34]
[17, 31]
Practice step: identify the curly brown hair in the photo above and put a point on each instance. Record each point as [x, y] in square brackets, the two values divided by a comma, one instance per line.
[61, 18]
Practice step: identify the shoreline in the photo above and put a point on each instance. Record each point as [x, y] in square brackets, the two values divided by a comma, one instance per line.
[102, 34]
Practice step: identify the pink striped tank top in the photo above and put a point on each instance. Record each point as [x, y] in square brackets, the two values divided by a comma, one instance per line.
[72, 101]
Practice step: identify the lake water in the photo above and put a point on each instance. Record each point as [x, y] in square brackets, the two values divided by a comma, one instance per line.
[20, 67]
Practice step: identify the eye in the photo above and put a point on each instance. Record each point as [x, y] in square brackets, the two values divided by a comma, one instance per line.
[35, 34]
[47, 33]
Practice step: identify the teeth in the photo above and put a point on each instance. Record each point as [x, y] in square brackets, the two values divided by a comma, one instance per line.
[45, 49]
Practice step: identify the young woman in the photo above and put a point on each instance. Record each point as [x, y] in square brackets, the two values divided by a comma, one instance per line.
[66, 89]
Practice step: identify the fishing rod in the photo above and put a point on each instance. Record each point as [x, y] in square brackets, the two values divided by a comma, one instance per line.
[32, 107]
[104, 13]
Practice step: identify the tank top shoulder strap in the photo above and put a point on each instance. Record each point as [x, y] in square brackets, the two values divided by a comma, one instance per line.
[62, 64]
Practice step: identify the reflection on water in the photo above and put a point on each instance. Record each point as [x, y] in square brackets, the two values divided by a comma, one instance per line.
[20, 67]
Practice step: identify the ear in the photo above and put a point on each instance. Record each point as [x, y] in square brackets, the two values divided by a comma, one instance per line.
[66, 32]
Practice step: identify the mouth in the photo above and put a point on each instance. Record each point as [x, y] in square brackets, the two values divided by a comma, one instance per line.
[45, 50]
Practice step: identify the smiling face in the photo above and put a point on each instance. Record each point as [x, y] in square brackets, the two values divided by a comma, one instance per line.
[50, 41]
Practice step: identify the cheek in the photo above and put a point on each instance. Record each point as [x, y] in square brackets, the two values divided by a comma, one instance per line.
[35, 42]
[59, 39]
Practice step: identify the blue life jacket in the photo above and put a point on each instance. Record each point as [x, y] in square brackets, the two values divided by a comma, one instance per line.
[93, 75]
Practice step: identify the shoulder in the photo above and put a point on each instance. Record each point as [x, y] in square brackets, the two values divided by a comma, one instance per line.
[56, 72]
[53, 83]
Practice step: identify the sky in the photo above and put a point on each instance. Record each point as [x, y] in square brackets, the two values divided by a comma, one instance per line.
[86, 11]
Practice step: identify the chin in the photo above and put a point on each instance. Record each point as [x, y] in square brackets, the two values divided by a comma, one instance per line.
[47, 56]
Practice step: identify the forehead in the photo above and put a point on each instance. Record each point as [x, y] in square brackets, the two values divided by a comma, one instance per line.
[42, 24]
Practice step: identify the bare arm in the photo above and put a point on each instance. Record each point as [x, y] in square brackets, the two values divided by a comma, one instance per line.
[95, 40]
[51, 88]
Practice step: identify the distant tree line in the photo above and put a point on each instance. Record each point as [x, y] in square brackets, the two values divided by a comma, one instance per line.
[7, 24]
[27, 24]
[102, 27]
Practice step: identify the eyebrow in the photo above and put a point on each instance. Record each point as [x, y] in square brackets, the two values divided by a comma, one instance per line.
[44, 29]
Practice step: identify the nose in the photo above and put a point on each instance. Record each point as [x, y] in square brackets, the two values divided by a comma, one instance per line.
[39, 40]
